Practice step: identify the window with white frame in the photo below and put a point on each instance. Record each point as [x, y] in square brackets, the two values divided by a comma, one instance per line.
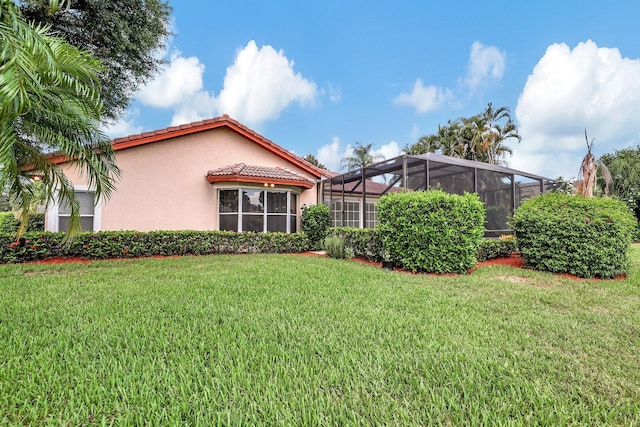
[258, 210]
[372, 215]
[86, 199]
[349, 211]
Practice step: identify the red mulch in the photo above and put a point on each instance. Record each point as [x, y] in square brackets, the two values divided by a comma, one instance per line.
[513, 260]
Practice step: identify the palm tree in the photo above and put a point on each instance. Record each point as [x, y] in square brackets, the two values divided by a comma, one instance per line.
[362, 156]
[481, 137]
[49, 102]
[490, 135]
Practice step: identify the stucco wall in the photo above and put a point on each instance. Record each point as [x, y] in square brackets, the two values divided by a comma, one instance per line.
[163, 184]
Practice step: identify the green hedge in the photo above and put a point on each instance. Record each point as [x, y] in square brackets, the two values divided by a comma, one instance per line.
[494, 248]
[9, 223]
[315, 223]
[586, 237]
[128, 244]
[431, 231]
[364, 242]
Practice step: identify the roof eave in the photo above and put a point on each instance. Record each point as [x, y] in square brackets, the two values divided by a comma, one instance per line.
[259, 180]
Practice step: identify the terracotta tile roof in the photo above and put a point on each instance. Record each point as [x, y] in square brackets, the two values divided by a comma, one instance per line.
[203, 125]
[262, 174]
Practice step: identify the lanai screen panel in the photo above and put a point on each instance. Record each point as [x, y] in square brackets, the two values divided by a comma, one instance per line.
[500, 189]
[526, 188]
[495, 190]
[454, 179]
[416, 174]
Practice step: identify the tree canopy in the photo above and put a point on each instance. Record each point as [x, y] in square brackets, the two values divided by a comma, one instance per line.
[49, 102]
[624, 167]
[126, 36]
[481, 137]
[362, 156]
[312, 159]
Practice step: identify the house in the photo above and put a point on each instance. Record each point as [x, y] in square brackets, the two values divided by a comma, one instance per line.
[218, 174]
[214, 174]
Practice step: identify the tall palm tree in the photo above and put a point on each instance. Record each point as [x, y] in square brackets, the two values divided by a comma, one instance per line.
[493, 128]
[362, 156]
[49, 102]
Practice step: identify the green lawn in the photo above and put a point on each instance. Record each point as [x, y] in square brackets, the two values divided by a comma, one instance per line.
[301, 340]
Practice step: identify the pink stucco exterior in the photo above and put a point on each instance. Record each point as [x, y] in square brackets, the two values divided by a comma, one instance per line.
[164, 187]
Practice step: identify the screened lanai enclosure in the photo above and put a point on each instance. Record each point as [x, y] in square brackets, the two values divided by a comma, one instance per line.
[352, 196]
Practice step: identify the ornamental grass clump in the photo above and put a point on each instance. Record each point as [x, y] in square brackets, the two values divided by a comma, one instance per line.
[431, 231]
[334, 247]
[586, 237]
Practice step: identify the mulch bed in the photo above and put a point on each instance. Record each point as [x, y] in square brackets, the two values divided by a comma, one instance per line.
[513, 260]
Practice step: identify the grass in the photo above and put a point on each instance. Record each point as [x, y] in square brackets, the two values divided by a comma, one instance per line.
[292, 340]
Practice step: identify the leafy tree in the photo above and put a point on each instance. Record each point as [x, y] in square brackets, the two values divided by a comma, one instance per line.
[49, 101]
[312, 159]
[125, 35]
[362, 156]
[481, 137]
[624, 166]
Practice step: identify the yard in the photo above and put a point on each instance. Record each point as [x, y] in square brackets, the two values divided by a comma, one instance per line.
[304, 340]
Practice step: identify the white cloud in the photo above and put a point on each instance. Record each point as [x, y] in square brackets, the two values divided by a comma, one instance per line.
[589, 87]
[125, 126]
[331, 154]
[200, 106]
[261, 83]
[486, 64]
[424, 98]
[258, 86]
[335, 93]
[176, 84]
[389, 151]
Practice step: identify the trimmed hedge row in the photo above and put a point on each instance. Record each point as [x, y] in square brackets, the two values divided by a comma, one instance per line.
[129, 244]
[431, 231]
[586, 237]
[365, 242]
[491, 248]
[9, 223]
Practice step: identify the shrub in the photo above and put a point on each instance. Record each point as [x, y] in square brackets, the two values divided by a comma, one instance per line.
[127, 244]
[9, 223]
[315, 223]
[364, 242]
[492, 248]
[586, 237]
[334, 246]
[431, 231]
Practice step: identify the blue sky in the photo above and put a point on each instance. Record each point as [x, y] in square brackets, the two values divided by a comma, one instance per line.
[317, 77]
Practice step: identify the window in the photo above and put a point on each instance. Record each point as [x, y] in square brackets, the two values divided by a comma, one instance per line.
[258, 210]
[350, 213]
[87, 210]
[372, 215]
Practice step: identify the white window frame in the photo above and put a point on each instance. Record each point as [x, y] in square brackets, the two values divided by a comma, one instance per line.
[337, 214]
[265, 214]
[372, 212]
[53, 221]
